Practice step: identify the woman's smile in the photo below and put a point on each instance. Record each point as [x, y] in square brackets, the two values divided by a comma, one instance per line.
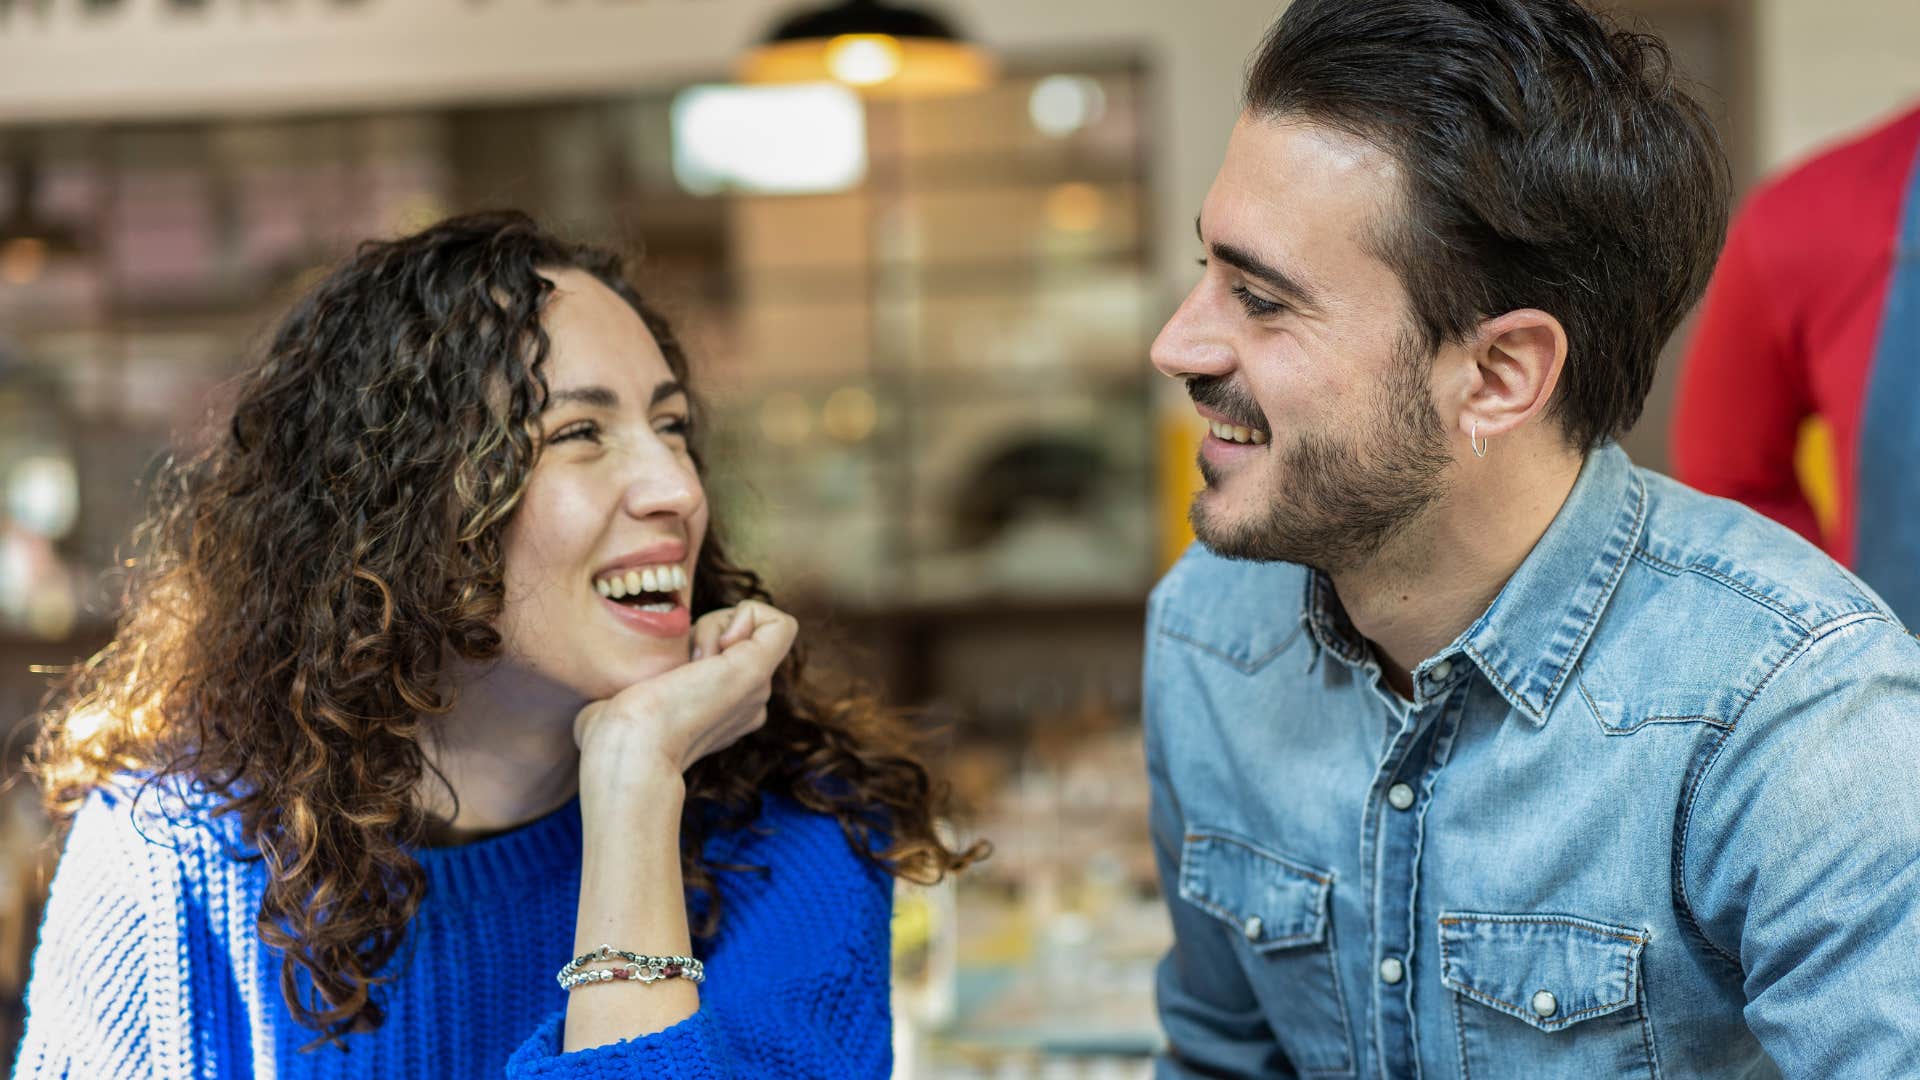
[649, 590]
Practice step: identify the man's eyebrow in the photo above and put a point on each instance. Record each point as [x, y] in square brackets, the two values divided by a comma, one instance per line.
[600, 397]
[1245, 262]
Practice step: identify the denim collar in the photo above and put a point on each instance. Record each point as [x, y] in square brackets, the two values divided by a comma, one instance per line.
[1529, 640]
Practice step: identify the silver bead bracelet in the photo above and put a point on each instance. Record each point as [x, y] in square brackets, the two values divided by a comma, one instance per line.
[636, 968]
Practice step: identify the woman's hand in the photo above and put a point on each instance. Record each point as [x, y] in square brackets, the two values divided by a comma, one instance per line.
[658, 727]
[635, 748]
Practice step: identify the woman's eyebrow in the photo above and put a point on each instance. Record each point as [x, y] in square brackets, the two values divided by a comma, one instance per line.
[597, 396]
[667, 389]
[601, 397]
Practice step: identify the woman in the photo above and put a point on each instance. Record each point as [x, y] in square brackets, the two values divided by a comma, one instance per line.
[432, 678]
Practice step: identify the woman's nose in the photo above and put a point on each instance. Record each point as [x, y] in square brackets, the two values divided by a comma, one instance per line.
[663, 483]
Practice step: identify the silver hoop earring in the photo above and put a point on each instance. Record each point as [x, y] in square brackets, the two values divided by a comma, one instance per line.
[1479, 447]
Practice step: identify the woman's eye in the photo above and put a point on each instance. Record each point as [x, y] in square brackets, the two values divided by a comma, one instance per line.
[677, 425]
[585, 429]
[1257, 306]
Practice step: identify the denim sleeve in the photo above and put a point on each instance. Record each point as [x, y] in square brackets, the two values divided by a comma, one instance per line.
[1213, 1022]
[1798, 855]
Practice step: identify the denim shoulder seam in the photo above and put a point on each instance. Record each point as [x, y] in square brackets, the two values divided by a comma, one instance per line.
[1814, 635]
[1727, 581]
[1641, 553]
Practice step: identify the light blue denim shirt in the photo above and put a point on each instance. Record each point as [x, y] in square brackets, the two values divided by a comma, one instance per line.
[1655, 814]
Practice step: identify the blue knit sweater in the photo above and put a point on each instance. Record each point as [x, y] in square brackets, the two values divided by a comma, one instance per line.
[149, 964]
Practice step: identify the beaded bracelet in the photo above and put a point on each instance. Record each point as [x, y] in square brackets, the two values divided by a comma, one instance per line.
[638, 968]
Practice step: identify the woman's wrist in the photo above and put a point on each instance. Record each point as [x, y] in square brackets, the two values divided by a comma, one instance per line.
[618, 769]
[636, 800]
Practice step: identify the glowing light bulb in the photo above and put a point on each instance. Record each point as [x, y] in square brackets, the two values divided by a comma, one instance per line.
[863, 59]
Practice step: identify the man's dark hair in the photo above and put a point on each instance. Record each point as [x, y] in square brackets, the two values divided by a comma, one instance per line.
[1549, 161]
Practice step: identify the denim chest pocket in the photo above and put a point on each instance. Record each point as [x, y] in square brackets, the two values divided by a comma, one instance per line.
[1537, 995]
[1278, 910]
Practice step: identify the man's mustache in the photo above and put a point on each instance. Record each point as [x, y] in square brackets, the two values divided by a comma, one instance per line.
[1228, 399]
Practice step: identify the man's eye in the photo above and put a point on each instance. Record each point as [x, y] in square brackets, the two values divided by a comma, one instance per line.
[585, 429]
[1258, 307]
[678, 425]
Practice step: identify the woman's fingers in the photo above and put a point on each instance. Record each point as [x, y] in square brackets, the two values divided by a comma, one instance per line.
[763, 622]
[760, 651]
[745, 617]
[718, 631]
[707, 630]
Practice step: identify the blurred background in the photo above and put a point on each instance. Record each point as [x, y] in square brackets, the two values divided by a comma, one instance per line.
[918, 279]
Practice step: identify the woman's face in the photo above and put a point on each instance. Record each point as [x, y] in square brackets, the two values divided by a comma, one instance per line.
[601, 549]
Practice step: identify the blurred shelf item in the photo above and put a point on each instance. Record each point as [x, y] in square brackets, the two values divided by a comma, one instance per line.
[1058, 935]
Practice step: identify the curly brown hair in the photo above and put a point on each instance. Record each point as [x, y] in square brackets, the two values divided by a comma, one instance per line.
[302, 585]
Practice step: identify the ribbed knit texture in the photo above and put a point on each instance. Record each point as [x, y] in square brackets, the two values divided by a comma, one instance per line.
[149, 964]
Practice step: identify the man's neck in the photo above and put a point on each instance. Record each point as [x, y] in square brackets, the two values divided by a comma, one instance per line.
[1433, 580]
[508, 757]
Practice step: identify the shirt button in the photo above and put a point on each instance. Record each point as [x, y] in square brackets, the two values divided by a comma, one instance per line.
[1441, 670]
[1545, 1004]
[1392, 971]
[1252, 927]
[1400, 796]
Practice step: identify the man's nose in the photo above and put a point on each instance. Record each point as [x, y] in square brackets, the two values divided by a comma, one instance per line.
[1190, 344]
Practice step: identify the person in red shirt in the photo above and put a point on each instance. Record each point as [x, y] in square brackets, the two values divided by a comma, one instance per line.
[1814, 312]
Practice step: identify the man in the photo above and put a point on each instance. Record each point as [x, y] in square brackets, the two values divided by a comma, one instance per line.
[1476, 751]
[1814, 311]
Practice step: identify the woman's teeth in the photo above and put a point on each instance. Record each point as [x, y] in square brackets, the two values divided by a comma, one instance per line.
[652, 579]
[1230, 433]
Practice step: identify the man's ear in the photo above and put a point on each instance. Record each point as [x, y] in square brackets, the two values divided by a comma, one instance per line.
[1517, 360]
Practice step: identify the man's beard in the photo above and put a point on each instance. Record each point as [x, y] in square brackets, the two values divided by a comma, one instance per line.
[1340, 500]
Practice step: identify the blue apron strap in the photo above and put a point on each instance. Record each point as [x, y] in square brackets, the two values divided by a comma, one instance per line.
[1887, 510]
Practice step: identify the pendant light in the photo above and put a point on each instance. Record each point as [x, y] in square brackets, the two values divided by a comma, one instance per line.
[873, 46]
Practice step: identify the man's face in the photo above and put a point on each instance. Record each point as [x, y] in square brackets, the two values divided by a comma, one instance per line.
[1300, 335]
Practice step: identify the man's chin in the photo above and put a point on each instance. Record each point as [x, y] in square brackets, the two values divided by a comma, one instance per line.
[1262, 537]
[1219, 530]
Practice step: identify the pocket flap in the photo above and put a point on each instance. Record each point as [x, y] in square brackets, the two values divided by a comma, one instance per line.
[1267, 898]
[1548, 970]
[1247, 640]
